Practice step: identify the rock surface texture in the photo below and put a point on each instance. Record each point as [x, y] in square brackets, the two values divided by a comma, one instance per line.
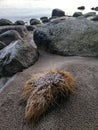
[18, 50]
[9, 36]
[58, 13]
[34, 22]
[69, 37]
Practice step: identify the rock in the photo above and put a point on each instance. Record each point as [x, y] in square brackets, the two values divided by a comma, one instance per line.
[70, 37]
[44, 19]
[2, 45]
[77, 14]
[81, 7]
[22, 30]
[92, 8]
[17, 56]
[4, 22]
[9, 36]
[30, 27]
[34, 22]
[89, 14]
[95, 18]
[19, 22]
[57, 13]
[96, 8]
[57, 19]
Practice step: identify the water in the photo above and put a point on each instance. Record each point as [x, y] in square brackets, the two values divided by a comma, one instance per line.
[27, 9]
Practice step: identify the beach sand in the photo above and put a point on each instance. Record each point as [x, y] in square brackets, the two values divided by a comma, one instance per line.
[80, 112]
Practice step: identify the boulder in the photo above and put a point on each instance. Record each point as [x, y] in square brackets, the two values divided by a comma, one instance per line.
[57, 19]
[9, 36]
[89, 14]
[92, 8]
[81, 7]
[22, 30]
[17, 56]
[19, 22]
[58, 13]
[95, 18]
[30, 27]
[77, 14]
[2, 45]
[44, 19]
[96, 8]
[4, 22]
[70, 37]
[34, 22]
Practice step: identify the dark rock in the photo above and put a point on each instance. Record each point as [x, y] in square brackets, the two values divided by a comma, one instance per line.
[81, 7]
[89, 14]
[19, 22]
[9, 36]
[4, 22]
[96, 8]
[34, 22]
[58, 13]
[17, 56]
[92, 8]
[30, 27]
[22, 30]
[95, 18]
[71, 37]
[44, 19]
[57, 19]
[2, 45]
[77, 14]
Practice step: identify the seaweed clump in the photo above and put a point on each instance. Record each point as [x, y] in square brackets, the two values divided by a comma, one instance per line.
[43, 90]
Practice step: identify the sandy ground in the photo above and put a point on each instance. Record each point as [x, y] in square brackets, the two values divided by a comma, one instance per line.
[80, 112]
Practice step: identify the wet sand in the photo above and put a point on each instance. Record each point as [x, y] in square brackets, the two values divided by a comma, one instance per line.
[80, 112]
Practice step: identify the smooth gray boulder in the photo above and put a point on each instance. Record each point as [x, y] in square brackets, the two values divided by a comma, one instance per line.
[17, 56]
[77, 14]
[95, 18]
[9, 36]
[89, 14]
[19, 22]
[4, 22]
[22, 30]
[70, 37]
[44, 19]
[58, 13]
[34, 21]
